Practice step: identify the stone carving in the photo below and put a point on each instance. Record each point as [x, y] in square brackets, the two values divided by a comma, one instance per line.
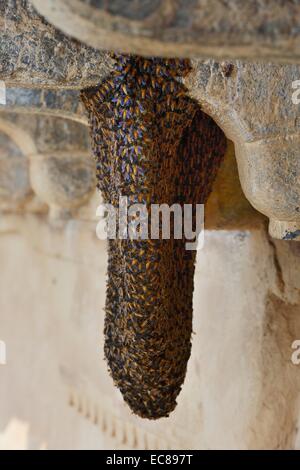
[248, 29]
[253, 105]
[56, 164]
[32, 51]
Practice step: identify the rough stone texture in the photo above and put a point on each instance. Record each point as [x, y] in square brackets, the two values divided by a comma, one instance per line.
[56, 168]
[34, 53]
[253, 105]
[252, 29]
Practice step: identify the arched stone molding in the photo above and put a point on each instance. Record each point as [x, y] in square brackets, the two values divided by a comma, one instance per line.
[62, 173]
[50, 102]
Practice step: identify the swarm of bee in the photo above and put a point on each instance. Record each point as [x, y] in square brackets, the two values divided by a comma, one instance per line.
[153, 144]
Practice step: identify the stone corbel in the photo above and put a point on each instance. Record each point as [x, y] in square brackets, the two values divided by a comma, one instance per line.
[253, 105]
[35, 54]
[58, 170]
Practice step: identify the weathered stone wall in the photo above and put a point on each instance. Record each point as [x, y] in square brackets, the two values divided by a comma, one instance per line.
[252, 29]
[242, 390]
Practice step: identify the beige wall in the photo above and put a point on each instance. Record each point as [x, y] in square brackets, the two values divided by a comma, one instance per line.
[241, 389]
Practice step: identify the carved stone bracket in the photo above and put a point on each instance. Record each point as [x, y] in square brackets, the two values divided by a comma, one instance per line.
[56, 165]
[253, 105]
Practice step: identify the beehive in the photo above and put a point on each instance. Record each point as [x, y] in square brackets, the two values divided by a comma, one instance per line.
[153, 144]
